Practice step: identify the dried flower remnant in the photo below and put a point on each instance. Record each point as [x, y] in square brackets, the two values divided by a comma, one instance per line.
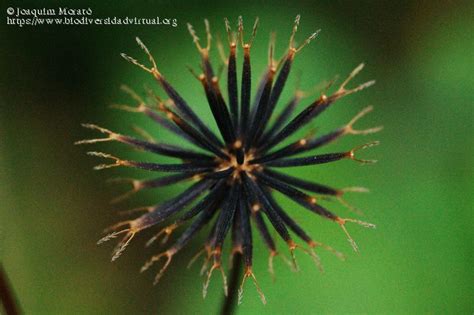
[234, 174]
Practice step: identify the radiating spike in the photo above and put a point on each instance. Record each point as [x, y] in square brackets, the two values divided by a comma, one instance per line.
[180, 103]
[303, 199]
[252, 188]
[245, 91]
[282, 117]
[173, 205]
[203, 141]
[309, 160]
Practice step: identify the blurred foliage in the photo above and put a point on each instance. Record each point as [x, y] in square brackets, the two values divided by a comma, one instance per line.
[54, 207]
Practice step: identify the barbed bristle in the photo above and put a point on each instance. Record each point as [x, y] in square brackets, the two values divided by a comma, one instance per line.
[310, 252]
[328, 248]
[195, 257]
[135, 210]
[169, 256]
[218, 266]
[342, 222]
[112, 136]
[350, 207]
[293, 32]
[342, 91]
[240, 28]
[351, 153]
[355, 189]
[352, 75]
[129, 91]
[144, 134]
[292, 246]
[129, 232]
[254, 30]
[145, 49]
[271, 48]
[118, 162]
[208, 34]
[349, 238]
[230, 35]
[249, 274]
[127, 108]
[165, 231]
[362, 223]
[316, 259]
[126, 195]
[271, 270]
[349, 127]
[135, 62]
[110, 236]
[122, 245]
[241, 32]
[195, 38]
[220, 50]
[308, 40]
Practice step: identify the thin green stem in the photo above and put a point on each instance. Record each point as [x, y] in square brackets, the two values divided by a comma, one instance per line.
[7, 296]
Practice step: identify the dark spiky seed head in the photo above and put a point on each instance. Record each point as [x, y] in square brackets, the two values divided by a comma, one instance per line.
[235, 173]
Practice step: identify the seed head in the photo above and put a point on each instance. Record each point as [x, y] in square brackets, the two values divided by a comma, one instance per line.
[234, 173]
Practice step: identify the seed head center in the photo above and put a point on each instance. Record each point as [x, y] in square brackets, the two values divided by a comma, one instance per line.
[244, 166]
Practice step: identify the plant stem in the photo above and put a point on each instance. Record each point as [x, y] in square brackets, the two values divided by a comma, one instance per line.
[229, 302]
[7, 296]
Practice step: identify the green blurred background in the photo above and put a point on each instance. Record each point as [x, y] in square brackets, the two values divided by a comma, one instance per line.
[53, 206]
